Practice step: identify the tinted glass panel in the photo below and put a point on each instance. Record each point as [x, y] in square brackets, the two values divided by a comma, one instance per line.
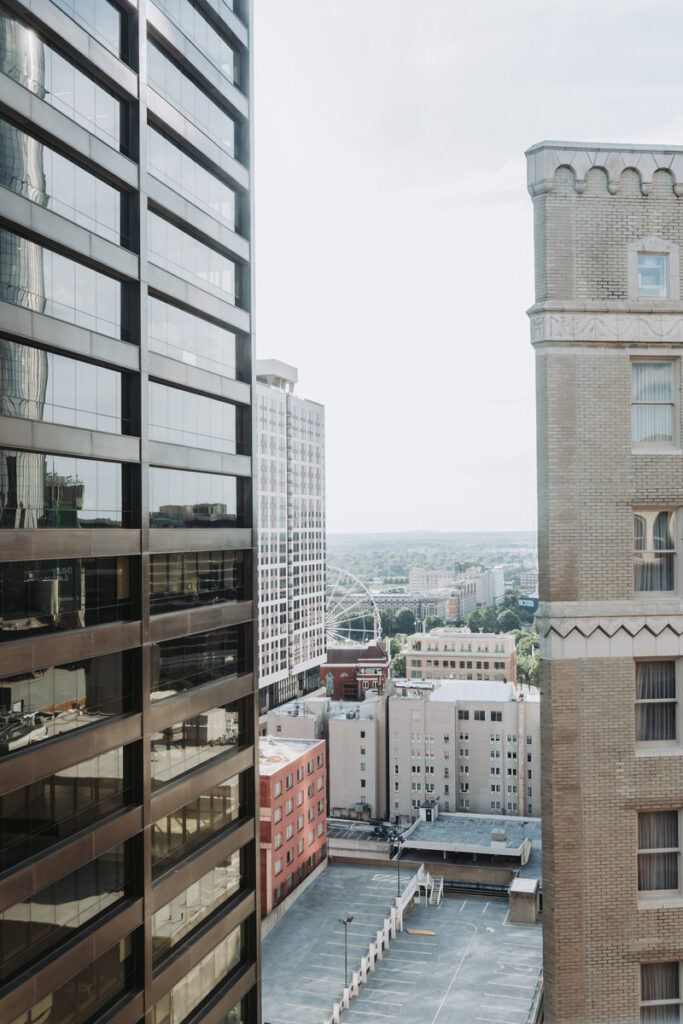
[181, 254]
[90, 992]
[189, 661]
[44, 176]
[69, 593]
[33, 928]
[98, 17]
[190, 744]
[38, 385]
[186, 418]
[38, 705]
[182, 915]
[180, 335]
[175, 836]
[201, 980]
[49, 75]
[46, 282]
[196, 27]
[34, 818]
[196, 578]
[40, 491]
[182, 92]
[180, 172]
[185, 499]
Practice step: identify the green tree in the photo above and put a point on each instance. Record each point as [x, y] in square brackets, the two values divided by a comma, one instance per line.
[396, 646]
[432, 622]
[526, 640]
[528, 666]
[388, 621]
[475, 621]
[507, 621]
[405, 621]
[489, 617]
[398, 666]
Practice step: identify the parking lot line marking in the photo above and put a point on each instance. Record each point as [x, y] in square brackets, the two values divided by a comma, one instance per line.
[389, 1002]
[485, 906]
[403, 960]
[307, 1006]
[506, 917]
[372, 1013]
[464, 904]
[456, 972]
[509, 984]
[497, 1020]
[518, 999]
[285, 1020]
[507, 1009]
[309, 977]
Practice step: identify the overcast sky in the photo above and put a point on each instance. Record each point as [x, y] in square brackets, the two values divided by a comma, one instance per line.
[394, 229]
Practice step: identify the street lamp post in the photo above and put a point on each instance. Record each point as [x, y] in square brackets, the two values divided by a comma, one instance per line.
[346, 921]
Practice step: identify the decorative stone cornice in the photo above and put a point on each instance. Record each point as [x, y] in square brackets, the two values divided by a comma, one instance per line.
[615, 327]
[545, 158]
[618, 636]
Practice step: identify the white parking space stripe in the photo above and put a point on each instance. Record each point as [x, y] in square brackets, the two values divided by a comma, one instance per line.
[497, 1020]
[371, 1013]
[504, 1009]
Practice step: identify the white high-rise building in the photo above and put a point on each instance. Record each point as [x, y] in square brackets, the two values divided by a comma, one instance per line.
[291, 535]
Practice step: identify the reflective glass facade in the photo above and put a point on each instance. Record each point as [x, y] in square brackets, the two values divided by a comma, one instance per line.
[98, 17]
[54, 388]
[177, 835]
[181, 498]
[39, 491]
[34, 818]
[183, 417]
[41, 923]
[47, 282]
[188, 579]
[206, 975]
[191, 661]
[38, 705]
[94, 989]
[187, 745]
[182, 254]
[58, 184]
[180, 172]
[199, 29]
[48, 74]
[175, 333]
[178, 918]
[183, 92]
[62, 594]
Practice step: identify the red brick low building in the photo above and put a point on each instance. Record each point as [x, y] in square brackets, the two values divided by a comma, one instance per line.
[349, 671]
[293, 775]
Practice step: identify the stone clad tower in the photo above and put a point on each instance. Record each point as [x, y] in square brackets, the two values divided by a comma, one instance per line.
[607, 327]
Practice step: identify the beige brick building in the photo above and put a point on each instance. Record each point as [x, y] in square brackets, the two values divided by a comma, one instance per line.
[607, 326]
[453, 652]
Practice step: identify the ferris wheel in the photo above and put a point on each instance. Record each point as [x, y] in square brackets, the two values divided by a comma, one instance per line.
[351, 615]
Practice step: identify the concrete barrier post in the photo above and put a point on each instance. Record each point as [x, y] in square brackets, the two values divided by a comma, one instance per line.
[371, 956]
[355, 978]
[385, 932]
[335, 1013]
[392, 921]
[363, 969]
[345, 998]
[379, 945]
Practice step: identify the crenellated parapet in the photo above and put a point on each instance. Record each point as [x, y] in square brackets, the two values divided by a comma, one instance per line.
[619, 166]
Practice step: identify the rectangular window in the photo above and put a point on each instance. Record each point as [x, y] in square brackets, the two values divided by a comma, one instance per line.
[660, 993]
[201, 979]
[184, 255]
[496, 716]
[479, 716]
[463, 716]
[658, 851]
[190, 661]
[656, 703]
[654, 550]
[652, 275]
[185, 418]
[189, 579]
[652, 402]
[184, 336]
[197, 742]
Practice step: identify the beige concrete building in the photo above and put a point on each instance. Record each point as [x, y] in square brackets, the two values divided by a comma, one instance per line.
[357, 758]
[472, 747]
[607, 326]
[454, 652]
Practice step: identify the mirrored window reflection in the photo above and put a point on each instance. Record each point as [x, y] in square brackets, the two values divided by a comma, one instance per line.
[183, 174]
[68, 593]
[238, 1014]
[39, 705]
[98, 17]
[186, 418]
[184, 580]
[179, 918]
[182, 254]
[47, 386]
[47, 74]
[34, 818]
[187, 745]
[179, 89]
[181, 498]
[175, 836]
[90, 992]
[39, 924]
[46, 282]
[180, 335]
[44, 176]
[184, 997]
[195, 26]
[40, 491]
[189, 661]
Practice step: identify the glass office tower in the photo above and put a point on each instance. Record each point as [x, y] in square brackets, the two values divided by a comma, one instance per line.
[127, 689]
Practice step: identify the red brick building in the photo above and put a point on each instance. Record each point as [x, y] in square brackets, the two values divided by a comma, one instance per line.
[349, 671]
[293, 775]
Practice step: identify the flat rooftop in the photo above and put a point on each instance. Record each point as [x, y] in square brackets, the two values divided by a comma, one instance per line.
[466, 833]
[275, 753]
[452, 690]
[462, 963]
